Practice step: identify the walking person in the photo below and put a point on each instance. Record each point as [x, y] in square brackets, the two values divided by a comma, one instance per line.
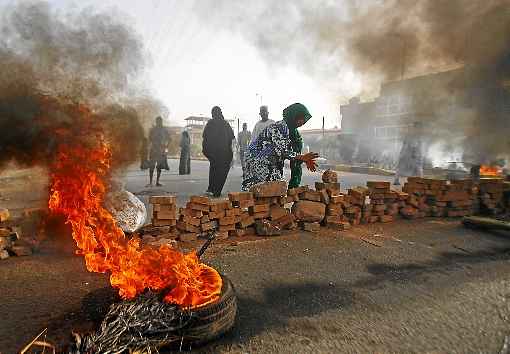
[410, 161]
[275, 144]
[158, 140]
[217, 147]
[185, 160]
[244, 141]
[262, 123]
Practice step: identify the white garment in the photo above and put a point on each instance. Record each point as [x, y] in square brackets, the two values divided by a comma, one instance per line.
[259, 127]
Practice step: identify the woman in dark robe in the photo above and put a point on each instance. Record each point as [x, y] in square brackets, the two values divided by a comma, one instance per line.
[185, 161]
[217, 147]
[278, 142]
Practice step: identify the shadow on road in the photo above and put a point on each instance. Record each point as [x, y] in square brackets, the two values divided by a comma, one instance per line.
[282, 303]
[447, 261]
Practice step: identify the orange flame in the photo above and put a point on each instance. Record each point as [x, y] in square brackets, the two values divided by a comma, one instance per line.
[486, 170]
[79, 177]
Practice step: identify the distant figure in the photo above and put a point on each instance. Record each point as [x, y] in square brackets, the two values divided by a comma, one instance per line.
[185, 161]
[217, 147]
[261, 124]
[410, 161]
[244, 141]
[158, 140]
[275, 144]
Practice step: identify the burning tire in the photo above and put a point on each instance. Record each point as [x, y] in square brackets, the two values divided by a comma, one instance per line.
[213, 320]
[147, 323]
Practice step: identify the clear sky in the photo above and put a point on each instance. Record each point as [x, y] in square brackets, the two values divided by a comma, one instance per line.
[194, 67]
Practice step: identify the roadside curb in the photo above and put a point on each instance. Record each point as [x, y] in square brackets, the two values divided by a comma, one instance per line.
[364, 170]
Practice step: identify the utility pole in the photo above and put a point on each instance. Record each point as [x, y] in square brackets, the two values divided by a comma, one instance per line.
[323, 148]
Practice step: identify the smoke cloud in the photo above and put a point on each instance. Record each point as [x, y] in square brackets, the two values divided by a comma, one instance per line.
[65, 77]
[389, 40]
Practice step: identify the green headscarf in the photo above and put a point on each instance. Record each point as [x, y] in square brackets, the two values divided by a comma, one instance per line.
[289, 116]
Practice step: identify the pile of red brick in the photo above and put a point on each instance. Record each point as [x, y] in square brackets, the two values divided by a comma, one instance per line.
[439, 198]
[164, 211]
[11, 230]
[491, 195]
[385, 203]
[269, 208]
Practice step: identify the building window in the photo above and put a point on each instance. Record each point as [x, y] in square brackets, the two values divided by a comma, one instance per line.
[391, 132]
[394, 105]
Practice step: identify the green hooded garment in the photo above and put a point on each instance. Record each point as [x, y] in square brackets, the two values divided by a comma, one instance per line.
[289, 116]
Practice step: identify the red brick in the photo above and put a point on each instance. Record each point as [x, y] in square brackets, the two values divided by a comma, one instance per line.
[332, 219]
[239, 196]
[246, 221]
[162, 199]
[195, 206]
[188, 237]
[218, 205]
[164, 207]
[263, 200]
[168, 222]
[277, 212]
[224, 228]
[232, 212]
[270, 189]
[297, 190]
[327, 186]
[286, 221]
[259, 208]
[236, 233]
[227, 220]
[334, 209]
[311, 226]
[191, 212]
[310, 195]
[192, 221]
[183, 226]
[373, 219]
[261, 215]
[378, 185]
[324, 196]
[245, 203]
[165, 215]
[216, 214]
[385, 218]
[199, 199]
[309, 211]
[381, 207]
[221, 235]
[335, 199]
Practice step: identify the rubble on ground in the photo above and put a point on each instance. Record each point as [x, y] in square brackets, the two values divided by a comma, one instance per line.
[19, 237]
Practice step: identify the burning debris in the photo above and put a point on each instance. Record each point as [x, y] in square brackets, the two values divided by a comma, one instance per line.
[78, 187]
[136, 325]
[148, 323]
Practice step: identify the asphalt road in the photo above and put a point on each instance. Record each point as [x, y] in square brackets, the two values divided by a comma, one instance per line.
[431, 287]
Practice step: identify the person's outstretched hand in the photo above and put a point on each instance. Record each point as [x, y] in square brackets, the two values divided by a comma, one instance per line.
[309, 160]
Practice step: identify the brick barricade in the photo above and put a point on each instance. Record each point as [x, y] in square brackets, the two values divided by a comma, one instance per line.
[270, 208]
